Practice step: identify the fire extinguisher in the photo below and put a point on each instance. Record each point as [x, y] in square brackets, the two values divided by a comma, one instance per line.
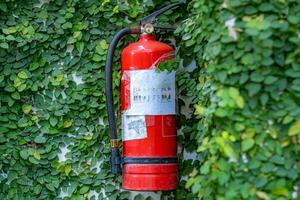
[149, 161]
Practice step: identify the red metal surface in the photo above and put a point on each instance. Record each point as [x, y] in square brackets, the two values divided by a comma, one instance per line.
[155, 177]
[161, 129]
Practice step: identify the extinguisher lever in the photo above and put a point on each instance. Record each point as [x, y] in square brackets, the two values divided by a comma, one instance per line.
[150, 19]
[167, 28]
[115, 155]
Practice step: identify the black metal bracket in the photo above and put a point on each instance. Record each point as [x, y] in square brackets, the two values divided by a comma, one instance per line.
[132, 160]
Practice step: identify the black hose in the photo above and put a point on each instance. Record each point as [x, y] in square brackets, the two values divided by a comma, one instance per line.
[115, 155]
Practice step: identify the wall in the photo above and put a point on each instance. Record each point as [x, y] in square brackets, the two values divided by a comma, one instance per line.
[53, 124]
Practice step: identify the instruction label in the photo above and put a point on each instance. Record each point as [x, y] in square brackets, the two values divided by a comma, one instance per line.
[152, 93]
[134, 127]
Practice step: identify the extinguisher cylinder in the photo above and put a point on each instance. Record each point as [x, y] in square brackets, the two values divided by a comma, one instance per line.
[149, 161]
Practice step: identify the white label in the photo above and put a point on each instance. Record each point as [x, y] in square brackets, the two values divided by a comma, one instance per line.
[151, 93]
[134, 127]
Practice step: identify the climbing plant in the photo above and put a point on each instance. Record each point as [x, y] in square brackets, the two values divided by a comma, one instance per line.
[53, 124]
[245, 95]
[237, 83]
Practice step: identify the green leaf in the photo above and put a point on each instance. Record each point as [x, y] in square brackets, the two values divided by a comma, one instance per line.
[37, 189]
[264, 99]
[68, 169]
[280, 191]
[190, 182]
[84, 190]
[235, 94]
[3, 6]
[3, 129]
[294, 129]
[22, 87]
[67, 25]
[293, 19]
[17, 82]
[220, 112]
[6, 31]
[10, 102]
[43, 14]
[287, 119]
[103, 44]
[9, 88]
[71, 40]
[247, 144]
[23, 122]
[253, 88]
[24, 180]
[226, 147]
[200, 110]
[10, 38]
[88, 136]
[40, 139]
[205, 169]
[36, 155]
[80, 47]
[53, 121]
[223, 178]
[266, 7]
[278, 159]
[9, 30]
[258, 23]
[22, 75]
[34, 66]
[26, 108]
[4, 45]
[33, 160]
[67, 123]
[77, 34]
[116, 9]
[256, 77]
[16, 96]
[50, 187]
[24, 154]
[262, 195]
[270, 80]
[292, 73]
[97, 58]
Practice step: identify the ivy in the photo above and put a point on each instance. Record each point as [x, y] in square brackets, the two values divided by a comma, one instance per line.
[246, 103]
[53, 125]
[237, 85]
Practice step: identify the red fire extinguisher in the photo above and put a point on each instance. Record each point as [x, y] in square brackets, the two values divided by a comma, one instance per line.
[149, 161]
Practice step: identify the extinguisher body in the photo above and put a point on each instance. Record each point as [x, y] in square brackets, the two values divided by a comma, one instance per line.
[149, 162]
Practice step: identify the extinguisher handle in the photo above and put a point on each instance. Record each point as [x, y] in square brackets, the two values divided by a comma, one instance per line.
[166, 28]
[152, 17]
[115, 155]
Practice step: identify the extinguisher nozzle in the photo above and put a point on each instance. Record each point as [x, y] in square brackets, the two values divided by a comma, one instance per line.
[115, 161]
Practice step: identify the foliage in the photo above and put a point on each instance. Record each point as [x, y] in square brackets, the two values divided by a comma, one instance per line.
[239, 107]
[53, 123]
[247, 112]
